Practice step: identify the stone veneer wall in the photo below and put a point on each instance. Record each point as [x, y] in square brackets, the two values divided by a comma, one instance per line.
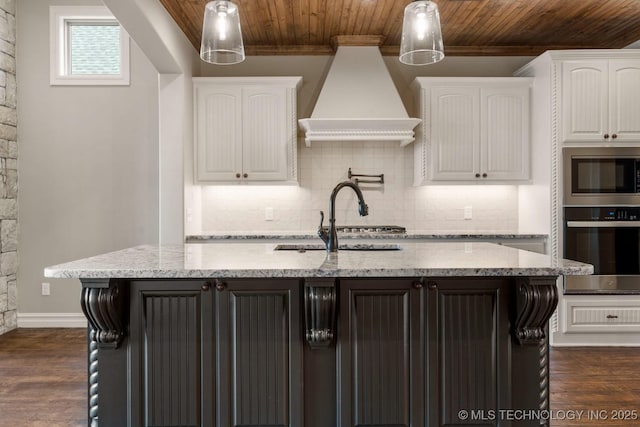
[8, 168]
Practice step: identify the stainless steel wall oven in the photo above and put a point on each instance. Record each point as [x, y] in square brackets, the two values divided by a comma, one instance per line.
[602, 218]
[608, 238]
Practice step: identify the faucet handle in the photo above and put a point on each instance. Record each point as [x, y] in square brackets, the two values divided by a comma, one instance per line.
[363, 209]
[321, 233]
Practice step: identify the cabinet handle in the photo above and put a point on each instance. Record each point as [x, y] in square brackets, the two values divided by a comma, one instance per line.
[237, 175]
[606, 136]
[614, 136]
[611, 316]
[246, 175]
[477, 175]
[220, 286]
[432, 286]
[484, 175]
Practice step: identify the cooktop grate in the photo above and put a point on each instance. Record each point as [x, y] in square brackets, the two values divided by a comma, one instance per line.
[381, 229]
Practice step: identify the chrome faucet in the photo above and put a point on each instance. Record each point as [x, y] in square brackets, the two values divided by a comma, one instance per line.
[330, 237]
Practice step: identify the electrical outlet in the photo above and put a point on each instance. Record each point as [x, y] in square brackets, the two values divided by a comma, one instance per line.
[468, 212]
[268, 214]
[46, 288]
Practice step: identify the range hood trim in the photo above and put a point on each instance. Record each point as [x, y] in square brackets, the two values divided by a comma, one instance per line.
[359, 102]
[393, 130]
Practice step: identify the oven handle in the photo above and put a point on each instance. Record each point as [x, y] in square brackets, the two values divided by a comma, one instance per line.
[604, 224]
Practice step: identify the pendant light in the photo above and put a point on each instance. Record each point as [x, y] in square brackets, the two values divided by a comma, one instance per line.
[421, 35]
[221, 35]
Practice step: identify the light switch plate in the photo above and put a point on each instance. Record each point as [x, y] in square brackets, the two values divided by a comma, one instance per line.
[468, 212]
[268, 214]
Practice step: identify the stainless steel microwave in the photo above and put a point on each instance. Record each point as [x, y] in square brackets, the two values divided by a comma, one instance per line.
[601, 176]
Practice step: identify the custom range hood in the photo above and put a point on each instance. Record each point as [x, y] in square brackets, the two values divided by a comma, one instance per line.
[359, 102]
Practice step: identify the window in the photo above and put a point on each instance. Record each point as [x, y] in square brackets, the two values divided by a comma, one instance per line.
[88, 47]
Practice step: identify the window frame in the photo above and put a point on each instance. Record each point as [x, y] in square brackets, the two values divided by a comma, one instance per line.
[60, 73]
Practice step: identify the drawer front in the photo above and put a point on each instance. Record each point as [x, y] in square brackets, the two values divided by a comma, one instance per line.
[602, 316]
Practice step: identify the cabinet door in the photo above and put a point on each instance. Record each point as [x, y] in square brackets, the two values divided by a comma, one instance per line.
[585, 105]
[259, 364]
[455, 133]
[171, 354]
[467, 349]
[624, 100]
[504, 144]
[265, 136]
[380, 354]
[218, 132]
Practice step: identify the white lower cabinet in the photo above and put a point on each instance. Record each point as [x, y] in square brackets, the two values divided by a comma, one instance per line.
[602, 314]
[596, 320]
[473, 129]
[245, 129]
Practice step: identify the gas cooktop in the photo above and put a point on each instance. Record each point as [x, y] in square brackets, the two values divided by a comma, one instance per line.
[381, 229]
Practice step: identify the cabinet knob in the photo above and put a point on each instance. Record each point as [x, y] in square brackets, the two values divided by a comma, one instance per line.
[432, 286]
[606, 136]
[237, 175]
[206, 286]
[477, 175]
[484, 175]
[417, 284]
[245, 175]
[614, 136]
[220, 286]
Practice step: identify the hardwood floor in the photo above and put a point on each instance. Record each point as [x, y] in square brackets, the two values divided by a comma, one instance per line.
[43, 382]
[604, 380]
[43, 377]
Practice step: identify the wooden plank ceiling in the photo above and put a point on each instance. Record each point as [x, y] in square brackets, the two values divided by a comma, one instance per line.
[469, 27]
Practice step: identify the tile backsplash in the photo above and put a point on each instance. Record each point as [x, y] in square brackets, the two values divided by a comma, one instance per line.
[433, 208]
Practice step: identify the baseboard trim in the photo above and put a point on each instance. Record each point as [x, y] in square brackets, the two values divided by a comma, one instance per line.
[595, 340]
[51, 320]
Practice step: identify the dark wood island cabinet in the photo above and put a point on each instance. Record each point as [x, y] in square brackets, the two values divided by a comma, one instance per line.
[329, 349]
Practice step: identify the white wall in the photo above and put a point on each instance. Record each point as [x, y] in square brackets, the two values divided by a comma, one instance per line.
[169, 50]
[435, 208]
[88, 171]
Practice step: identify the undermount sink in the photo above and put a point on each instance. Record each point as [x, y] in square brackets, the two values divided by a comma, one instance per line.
[303, 247]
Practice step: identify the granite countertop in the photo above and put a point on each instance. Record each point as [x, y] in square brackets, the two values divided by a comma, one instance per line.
[260, 260]
[417, 235]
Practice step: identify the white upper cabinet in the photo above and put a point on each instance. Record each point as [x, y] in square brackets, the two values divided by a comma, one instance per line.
[600, 100]
[245, 129]
[455, 132]
[624, 99]
[505, 141]
[218, 130]
[474, 130]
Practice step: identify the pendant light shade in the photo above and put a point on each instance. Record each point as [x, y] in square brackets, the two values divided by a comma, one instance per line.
[221, 34]
[421, 35]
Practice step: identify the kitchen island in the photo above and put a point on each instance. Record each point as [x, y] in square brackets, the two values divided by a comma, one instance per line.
[242, 334]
